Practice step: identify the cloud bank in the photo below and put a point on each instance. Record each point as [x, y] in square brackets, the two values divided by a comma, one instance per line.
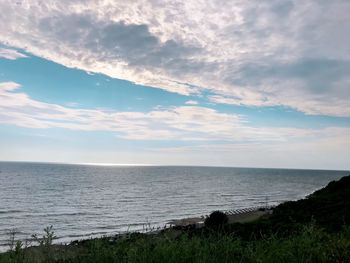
[255, 53]
[197, 135]
[182, 123]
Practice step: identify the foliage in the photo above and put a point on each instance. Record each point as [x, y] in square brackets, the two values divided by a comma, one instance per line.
[216, 219]
[312, 244]
[328, 207]
[47, 238]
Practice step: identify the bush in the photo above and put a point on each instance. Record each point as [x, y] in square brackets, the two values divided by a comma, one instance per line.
[215, 219]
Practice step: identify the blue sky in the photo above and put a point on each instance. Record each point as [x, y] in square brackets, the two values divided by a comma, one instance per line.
[255, 90]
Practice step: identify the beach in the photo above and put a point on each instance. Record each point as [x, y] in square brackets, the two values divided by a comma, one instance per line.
[234, 216]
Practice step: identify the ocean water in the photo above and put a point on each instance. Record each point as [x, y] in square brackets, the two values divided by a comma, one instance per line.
[83, 201]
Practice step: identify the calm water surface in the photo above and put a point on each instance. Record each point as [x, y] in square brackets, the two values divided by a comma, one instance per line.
[83, 201]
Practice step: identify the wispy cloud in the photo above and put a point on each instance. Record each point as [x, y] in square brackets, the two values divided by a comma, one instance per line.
[243, 52]
[191, 102]
[180, 123]
[328, 150]
[11, 54]
[191, 122]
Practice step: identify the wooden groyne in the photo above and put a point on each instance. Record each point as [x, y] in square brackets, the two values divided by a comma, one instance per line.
[248, 210]
[234, 216]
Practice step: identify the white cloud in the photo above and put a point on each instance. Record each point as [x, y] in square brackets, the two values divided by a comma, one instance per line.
[182, 123]
[191, 122]
[256, 53]
[191, 102]
[8, 86]
[11, 54]
[209, 137]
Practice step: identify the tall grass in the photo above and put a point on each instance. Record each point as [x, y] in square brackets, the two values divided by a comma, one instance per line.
[312, 244]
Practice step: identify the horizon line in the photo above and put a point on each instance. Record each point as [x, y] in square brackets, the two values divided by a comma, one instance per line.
[167, 165]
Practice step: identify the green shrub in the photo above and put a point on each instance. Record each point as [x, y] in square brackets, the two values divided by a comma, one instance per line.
[216, 219]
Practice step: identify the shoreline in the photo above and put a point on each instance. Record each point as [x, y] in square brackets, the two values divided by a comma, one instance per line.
[234, 216]
[244, 215]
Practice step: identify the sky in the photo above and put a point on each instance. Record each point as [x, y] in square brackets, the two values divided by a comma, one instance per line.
[213, 83]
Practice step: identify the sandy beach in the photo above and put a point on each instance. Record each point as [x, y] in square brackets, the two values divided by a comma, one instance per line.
[235, 216]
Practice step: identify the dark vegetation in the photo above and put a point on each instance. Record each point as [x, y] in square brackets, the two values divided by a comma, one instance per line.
[314, 229]
[216, 219]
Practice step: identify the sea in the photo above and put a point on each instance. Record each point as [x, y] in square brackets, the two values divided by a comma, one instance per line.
[86, 201]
